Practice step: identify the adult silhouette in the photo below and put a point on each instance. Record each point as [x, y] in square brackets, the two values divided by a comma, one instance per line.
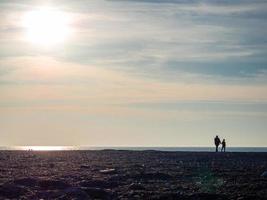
[223, 145]
[217, 142]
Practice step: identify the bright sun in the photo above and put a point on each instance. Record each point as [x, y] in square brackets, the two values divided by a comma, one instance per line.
[46, 26]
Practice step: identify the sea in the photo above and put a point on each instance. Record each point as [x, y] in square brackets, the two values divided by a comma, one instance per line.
[173, 149]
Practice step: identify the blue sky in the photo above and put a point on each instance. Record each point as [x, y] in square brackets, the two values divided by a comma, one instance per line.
[139, 73]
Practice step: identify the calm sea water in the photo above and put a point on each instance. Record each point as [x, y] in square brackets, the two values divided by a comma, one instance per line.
[197, 149]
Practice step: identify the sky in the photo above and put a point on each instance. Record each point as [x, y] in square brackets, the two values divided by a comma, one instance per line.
[135, 73]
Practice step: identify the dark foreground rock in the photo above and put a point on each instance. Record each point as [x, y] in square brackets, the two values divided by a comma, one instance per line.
[132, 175]
[74, 193]
[53, 184]
[12, 191]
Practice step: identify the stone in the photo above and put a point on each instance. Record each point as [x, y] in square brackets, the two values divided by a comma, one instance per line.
[53, 184]
[108, 171]
[97, 193]
[30, 182]
[98, 183]
[74, 193]
[51, 165]
[85, 166]
[136, 186]
[153, 176]
[264, 174]
[12, 191]
[207, 196]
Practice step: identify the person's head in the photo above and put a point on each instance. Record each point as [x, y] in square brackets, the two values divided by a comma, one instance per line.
[223, 140]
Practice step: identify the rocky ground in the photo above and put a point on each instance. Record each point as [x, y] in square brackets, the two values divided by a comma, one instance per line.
[111, 174]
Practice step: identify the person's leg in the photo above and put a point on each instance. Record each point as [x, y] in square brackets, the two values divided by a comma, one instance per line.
[216, 148]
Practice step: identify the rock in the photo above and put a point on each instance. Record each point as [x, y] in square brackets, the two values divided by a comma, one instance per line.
[53, 184]
[46, 194]
[119, 179]
[74, 193]
[51, 165]
[251, 197]
[85, 167]
[154, 176]
[12, 191]
[98, 193]
[171, 196]
[207, 196]
[98, 183]
[108, 171]
[264, 174]
[30, 182]
[136, 186]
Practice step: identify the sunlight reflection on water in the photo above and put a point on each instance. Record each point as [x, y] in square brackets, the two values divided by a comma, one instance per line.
[44, 148]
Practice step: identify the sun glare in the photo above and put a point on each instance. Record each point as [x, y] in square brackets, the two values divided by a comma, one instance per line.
[46, 26]
[44, 148]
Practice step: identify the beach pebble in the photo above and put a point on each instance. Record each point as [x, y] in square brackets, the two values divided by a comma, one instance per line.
[75, 193]
[97, 193]
[108, 171]
[30, 182]
[51, 165]
[264, 174]
[12, 191]
[98, 183]
[136, 186]
[153, 176]
[53, 184]
[206, 196]
[85, 166]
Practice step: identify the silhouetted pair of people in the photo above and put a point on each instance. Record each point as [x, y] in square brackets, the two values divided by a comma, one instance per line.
[217, 142]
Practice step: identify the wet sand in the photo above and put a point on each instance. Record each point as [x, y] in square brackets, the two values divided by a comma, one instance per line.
[111, 174]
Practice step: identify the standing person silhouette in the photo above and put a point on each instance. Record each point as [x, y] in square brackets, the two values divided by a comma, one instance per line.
[217, 142]
[223, 145]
